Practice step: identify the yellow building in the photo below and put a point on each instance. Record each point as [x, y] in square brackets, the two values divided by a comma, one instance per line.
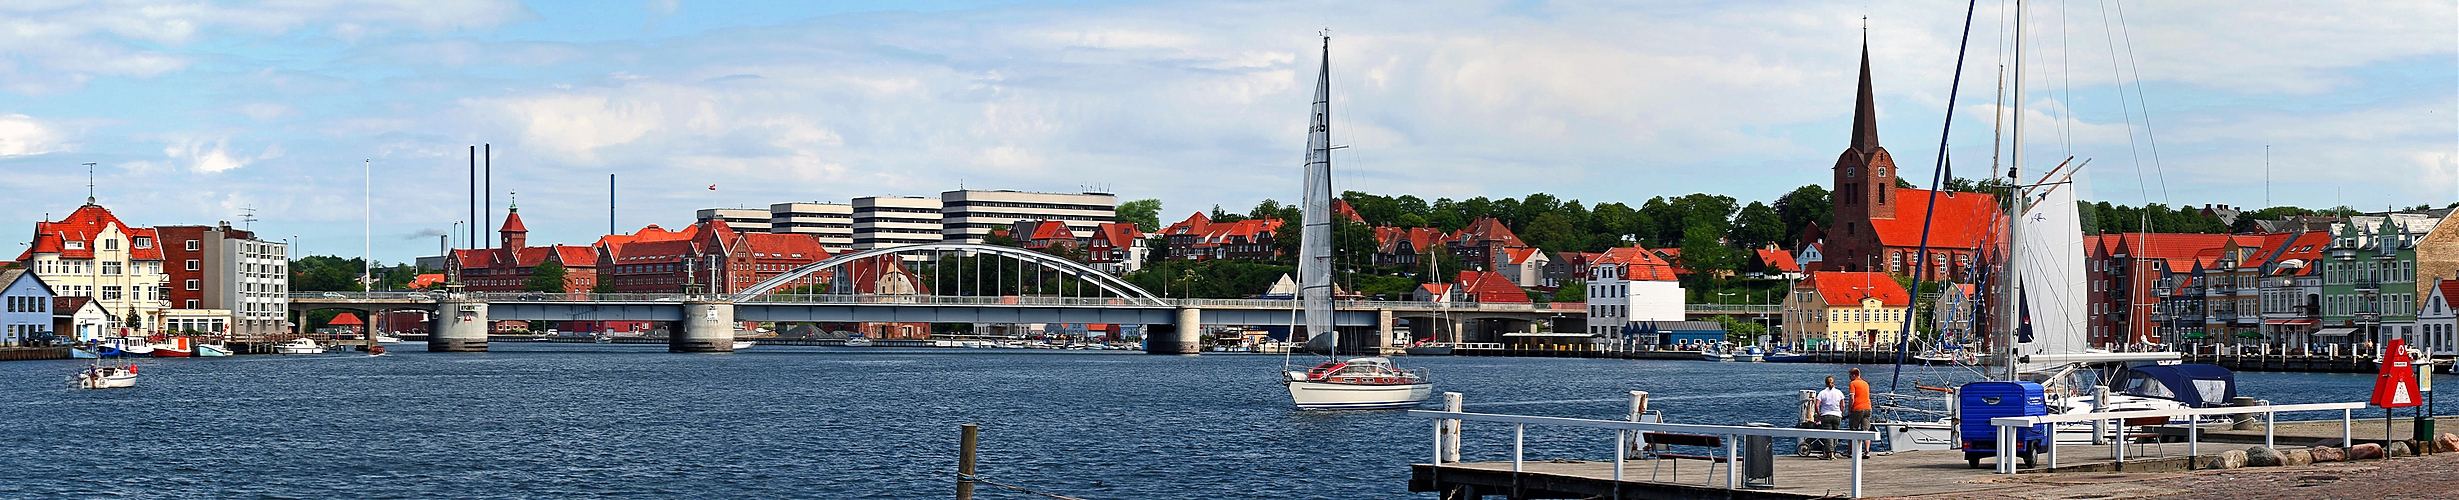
[1845, 309]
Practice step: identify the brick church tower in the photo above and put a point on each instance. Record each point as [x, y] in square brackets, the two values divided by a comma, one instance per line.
[1865, 184]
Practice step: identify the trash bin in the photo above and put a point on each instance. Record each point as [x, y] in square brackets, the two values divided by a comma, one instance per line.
[1758, 460]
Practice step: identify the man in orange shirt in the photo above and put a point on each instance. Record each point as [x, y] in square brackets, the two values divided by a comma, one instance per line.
[1859, 417]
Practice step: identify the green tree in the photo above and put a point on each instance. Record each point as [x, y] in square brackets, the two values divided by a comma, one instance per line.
[1801, 207]
[602, 287]
[1757, 225]
[1144, 213]
[1553, 231]
[1571, 291]
[547, 277]
[325, 273]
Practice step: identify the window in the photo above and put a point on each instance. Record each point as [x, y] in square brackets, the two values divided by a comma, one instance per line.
[192, 304]
[192, 245]
[111, 268]
[110, 292]
[76, 245]
[144, 242]
[194, 265]
[191, 285]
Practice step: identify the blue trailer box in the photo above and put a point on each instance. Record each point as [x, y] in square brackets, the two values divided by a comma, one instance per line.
[1981, 401]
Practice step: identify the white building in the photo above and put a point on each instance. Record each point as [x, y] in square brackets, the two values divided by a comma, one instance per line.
[1627, 286]
[972, 214]
[833, 223]
[1524, 265]
[250, 278]
[747, 220]
[83, 318]
[894, 221]
[91, 253]
[2438, 321]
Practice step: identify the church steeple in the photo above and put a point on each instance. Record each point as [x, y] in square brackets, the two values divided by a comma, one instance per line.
[1865, 106]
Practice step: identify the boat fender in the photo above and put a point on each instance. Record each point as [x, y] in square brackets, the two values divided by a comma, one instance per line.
[132, 369]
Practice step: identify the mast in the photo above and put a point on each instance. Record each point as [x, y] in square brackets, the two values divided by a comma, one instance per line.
[1315, 237]
[2010, 289]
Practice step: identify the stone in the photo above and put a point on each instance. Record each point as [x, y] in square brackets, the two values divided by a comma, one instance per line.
[2400, 449]
[2261, 456]
[2320, 454]
[2364, 451]
[2446, 442]
[2232, 459]
[2296, 457]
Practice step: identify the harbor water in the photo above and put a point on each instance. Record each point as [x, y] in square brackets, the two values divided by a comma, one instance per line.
[535, 420]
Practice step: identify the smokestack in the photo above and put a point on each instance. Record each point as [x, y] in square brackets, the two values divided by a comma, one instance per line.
[489, 213]
[610, 204]
[473, 195]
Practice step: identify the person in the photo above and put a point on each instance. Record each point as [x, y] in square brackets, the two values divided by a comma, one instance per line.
[1831, 412]
[1859, 418]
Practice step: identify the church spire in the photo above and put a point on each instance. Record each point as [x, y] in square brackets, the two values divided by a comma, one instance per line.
[1865, 107]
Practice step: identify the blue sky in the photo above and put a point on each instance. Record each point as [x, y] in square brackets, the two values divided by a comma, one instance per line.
[196, 110]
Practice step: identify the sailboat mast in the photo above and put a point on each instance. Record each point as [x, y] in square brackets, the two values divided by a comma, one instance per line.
[2008, 307]
[1315, 237]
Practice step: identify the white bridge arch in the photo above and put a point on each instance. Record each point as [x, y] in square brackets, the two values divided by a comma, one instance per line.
[1105, 281]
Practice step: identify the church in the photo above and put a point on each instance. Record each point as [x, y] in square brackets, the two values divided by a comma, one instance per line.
[1877, 226]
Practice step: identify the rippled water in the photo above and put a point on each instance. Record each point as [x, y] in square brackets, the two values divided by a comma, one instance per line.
[562, 420]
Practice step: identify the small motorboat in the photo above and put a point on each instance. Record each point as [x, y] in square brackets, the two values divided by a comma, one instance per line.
[1369, 383]
[745, 344]
[1428, 349]
[1712, 353]
[81, 353]
[1785, 356]
[212, 350]
[136, 350]
[1751, 354]
[301, 345]
[106, 376]
[176, 347]
[388, 339]
[376, 350]
[857, 341]
[605, 339]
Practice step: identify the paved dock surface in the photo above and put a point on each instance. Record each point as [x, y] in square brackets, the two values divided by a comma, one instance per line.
[2316, 432]
[2083, 472]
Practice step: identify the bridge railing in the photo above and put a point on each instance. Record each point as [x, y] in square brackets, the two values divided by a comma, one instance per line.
[954, 300]
[1009, 300]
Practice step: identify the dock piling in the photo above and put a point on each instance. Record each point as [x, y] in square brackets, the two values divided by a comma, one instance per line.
[965, 448]
[1447, 432]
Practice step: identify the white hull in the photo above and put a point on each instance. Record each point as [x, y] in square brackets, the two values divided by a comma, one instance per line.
[1716, 357]
[212, 350]
[298, 346]
[388, 339]
[1330, 396]
[745, 344]
[858, 342]
[117, 379]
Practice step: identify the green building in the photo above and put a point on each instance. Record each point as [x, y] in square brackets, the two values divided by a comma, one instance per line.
[2369, 284]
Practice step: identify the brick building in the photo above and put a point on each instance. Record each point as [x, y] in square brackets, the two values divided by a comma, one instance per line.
[1878, 226]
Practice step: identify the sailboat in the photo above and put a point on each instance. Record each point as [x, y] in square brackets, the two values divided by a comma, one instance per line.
[1365, 383]
[2040, 322]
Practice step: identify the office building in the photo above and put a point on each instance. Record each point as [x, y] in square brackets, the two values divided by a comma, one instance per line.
[972, 214]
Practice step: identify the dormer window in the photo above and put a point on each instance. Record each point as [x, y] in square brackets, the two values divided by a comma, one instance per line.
[144, 242]
[76, 245]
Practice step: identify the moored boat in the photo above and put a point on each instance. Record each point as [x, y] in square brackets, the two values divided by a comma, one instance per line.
[1429, 349]
[301, 345]
[212, 350]
[106, 376]
[1751, 354]
[858, 341]
[81, 353]
[745, 344]
[175, 348]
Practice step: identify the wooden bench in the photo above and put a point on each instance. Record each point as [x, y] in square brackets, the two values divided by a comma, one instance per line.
[1657, 449]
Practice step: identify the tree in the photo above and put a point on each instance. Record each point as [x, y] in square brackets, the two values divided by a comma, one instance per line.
[1615, 222]
[1571, 291]
[1704, 254]
[602, 287]
[325, 273]
[1757, 225]
[1144, 213]
[1553, 231]
[547, 277]
[1801, 207]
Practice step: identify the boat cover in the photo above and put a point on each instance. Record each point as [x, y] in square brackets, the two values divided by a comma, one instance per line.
[2200, 385]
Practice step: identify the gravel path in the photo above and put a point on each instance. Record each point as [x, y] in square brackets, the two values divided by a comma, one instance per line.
[2434, 476]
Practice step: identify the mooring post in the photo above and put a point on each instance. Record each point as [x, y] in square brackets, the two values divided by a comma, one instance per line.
[965, 448]
[1449, 440]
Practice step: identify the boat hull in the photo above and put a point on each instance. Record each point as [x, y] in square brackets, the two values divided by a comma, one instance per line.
[1331, 396]
[745, 344]
[1428, 350]
[1787, 358]
[75, 353]
[165, 352]
[211, 351]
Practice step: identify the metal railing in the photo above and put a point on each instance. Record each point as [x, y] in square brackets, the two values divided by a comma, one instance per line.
[1015, 300]
[2007, 426]
[1624, 430]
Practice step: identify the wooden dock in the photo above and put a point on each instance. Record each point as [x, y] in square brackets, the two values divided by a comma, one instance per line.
[1940, 474]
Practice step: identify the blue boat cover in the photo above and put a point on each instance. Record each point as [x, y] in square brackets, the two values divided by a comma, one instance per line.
[2200, 385]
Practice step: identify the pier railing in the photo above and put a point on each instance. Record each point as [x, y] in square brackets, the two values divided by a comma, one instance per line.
[1625, 430]
[2007, 426]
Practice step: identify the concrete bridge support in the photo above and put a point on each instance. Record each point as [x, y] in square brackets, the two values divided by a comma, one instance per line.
[460, 325]
[707, 326]
[1382, 341]
[1186, 337]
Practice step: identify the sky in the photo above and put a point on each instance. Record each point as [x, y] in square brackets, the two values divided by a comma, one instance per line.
[196, 112]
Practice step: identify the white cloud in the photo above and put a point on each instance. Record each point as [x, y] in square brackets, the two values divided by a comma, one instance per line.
[22, 135]
[213, 157]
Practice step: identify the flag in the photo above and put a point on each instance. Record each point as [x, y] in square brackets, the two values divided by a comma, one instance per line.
[712, 187]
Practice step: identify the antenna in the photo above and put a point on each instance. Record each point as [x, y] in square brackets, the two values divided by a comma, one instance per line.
[2266, 176]
[247, 218]
[89, 183]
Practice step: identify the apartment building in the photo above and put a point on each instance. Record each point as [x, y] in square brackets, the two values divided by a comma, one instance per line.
[894, 221]
[748, 220]
[833, 223]
[230, 273]
[972, 214]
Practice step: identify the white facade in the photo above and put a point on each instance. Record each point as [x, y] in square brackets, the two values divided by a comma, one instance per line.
[895, 221]
[972, 214]
[1529, 271]
[251, 279]
[87, 323]
[113, 277]
[2438, 324]
[748, 220]
[1615, 302]
[833, 223]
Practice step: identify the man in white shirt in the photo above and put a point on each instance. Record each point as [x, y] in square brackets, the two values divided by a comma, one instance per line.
[1831, 413]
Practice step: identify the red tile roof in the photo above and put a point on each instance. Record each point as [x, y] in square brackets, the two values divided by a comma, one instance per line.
[1117, 234]
[2450, 293]
[1962, 220]
[1779, 259]
[2178, 250]
[83, 226]
[1518, 255]
[1052, 230]
[345, 319]
[1490, 286]
[1422, 239]
[67, 306]
[784, 245]
[421, 282]
[1488, 231]
[1194, 224]
[512, 223]
[1639, 264]
[1841, 288]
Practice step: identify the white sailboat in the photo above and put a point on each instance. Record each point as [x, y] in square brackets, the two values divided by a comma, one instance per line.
[1359, 383]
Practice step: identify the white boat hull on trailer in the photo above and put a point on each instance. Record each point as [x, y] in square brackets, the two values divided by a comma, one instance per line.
[1331, 396]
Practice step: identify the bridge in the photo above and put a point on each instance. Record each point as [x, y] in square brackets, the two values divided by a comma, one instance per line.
[936, 283]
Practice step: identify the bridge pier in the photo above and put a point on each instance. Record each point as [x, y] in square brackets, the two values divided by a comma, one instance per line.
[1384, 324]
[1185, 337]
[460, 325]
[707, 326]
